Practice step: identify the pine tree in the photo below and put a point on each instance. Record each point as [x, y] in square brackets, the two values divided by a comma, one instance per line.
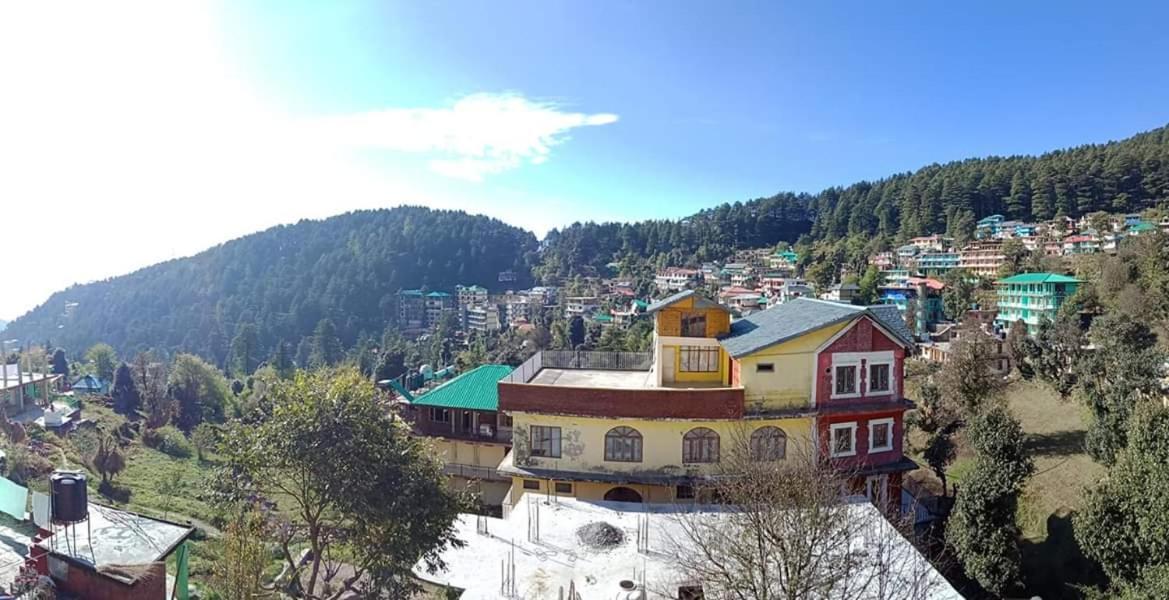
[124, 391]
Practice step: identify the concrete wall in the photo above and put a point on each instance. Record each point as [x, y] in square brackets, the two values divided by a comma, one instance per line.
[583, 442]
[469, 453]
[668, 348]
[789, 385]
[587, 490]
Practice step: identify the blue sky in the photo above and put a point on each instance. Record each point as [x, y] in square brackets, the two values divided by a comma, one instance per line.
[150, 130]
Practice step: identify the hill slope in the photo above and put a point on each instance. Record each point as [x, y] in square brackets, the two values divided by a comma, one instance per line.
[1127, 175]
[285, 280]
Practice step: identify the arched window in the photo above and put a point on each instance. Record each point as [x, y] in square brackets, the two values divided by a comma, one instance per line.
[768, 443]
[700, 445]
[623, 444]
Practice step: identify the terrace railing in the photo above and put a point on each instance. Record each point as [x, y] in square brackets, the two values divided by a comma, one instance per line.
[580, 359]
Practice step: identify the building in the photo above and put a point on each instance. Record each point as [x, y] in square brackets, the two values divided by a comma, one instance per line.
[785, 260]
[469, 433]
[982, 258]
[940, 347]
[906, 254]
[648, 427]
[795, 288]
[411, 310]
[1080, 244]
[470, 295]
[929, 243]
[580, 306]
[895, 276]
[536, 553]
[923, 296]
[438, 304]
[1032, 297]
[937, 264]
[988, 227]
[483, 318]
[19, 388]
[674, 279]
[883, 261]
[842, 292]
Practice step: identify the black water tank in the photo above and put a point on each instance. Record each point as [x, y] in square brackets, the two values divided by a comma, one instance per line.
[70, 496]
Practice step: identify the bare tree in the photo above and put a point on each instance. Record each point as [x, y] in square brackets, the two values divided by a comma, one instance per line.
[787, 529]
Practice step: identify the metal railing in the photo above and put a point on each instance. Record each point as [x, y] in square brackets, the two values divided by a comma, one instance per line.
[580, 359]
[473, 472]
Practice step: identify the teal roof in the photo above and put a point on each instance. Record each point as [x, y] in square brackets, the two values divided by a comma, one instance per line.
[642, 304]
[602, 318]
[474, 390]
[438, 294]
[1039, 278]
[410, 293]
[1142, 226]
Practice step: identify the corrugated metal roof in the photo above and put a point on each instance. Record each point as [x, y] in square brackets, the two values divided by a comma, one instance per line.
[474, 390]
[797, 317]
[1039, 278]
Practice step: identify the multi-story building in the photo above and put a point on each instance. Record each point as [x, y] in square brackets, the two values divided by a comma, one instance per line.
[482, 318]
[988, 227]
[674, 279]
[1080, 244]
[929, 243]
[785, 260]
[651, 427]
[982, 258]
[842, 292]
[437, 305]
[470, 295]
[883, 261]
[921, 295]
[907, 254]
[411, 310]
[579, 306]
[1032, 297]
[469, 433]
[937, 264]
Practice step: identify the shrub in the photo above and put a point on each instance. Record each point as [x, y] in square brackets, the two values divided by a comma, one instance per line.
[168, 440]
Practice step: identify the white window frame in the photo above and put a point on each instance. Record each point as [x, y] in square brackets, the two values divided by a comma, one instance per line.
[887, 421]
[869, 377]
[856, 375]
[832, 429]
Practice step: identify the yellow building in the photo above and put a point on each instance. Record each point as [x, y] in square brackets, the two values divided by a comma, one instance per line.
[651, 427]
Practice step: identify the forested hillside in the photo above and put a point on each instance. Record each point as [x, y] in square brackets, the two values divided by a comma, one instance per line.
[285, 280]
[1122, 176]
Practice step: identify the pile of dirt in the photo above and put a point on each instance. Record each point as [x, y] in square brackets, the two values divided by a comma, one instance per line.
[600, 535]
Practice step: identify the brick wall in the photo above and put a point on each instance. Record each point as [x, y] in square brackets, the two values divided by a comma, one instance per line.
[864, 336]
[629, 403]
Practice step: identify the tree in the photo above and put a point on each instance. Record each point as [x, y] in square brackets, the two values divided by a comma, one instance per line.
[872, 279]
[124, 391]
[244, 351]
[1055, 352]
[60, 363]
[335, 493]
[108, 459]
[982, 527]
[783, 530]
[282, 360]
[204, 437]
[325, 349]
[576, 333]
[968, 381]
[1020, 348]
[1015, 256]
[1124, 369]
[199, 390]
[1123, 520]
[150, 377]
[939, 420]
[958, 295]
[238, 572]
[103, 359]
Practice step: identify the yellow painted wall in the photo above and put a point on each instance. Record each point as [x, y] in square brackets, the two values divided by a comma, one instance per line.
[681, 376]
[587, 490]
[582, 442]
[468, 453]
[668, 321]
[790, 384]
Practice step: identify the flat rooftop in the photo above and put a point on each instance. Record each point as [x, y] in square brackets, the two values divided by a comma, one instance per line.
[15, 539]
[607, 378]
[558, 558]
[116, 537]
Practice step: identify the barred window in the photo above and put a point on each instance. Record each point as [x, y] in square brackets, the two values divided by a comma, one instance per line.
[700, 445]
[845, 380]
[545, 441]
[623, 444]
[699, 359]
[768, 444]
[879, 377]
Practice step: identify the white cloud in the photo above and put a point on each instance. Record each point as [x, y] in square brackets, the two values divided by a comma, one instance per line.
[476, 136]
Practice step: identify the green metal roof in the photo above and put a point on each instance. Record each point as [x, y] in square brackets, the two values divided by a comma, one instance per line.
[474, 390]
[1039, 278]
[1142, 226]
[602, 318]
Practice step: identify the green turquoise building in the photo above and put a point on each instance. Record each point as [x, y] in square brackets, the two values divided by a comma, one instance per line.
[1032, 297]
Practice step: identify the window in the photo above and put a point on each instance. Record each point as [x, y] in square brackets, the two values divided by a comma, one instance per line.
[563, 487]
[691, 592]
[880, 435]
[844, 383]
[623, 444]
[699, 359]
[843, 439]
[693, 325]
[879, 377]
[545, 441]
[684, 492]
[531, 484]
[765, 368]
[440, 415]
[768, 444]
[700, 445]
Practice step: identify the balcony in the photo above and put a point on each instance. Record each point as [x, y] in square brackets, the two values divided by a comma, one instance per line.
[609, 384]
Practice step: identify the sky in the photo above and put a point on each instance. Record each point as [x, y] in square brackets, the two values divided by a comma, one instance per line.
[134, 132]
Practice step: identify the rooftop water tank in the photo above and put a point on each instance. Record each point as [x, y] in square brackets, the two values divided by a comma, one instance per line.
[70, 497]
